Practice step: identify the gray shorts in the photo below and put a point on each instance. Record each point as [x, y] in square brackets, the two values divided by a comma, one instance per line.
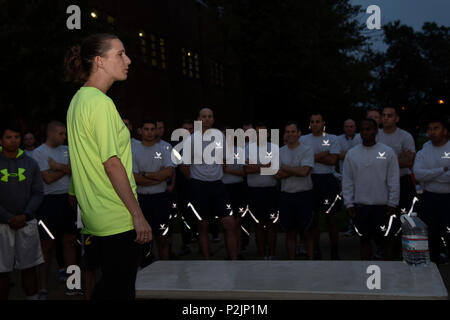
[20, 249]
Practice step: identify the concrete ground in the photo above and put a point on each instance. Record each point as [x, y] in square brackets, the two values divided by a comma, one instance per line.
[349, 250]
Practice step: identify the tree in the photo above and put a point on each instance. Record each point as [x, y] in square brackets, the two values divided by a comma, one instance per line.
[296, 56]
[415, 71]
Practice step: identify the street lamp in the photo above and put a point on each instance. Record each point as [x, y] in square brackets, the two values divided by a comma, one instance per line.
[94, 15]
[440, 101]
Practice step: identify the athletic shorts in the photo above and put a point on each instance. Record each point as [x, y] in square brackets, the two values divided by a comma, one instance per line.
[20, 249]
[436, 212]
[407, 193]
[172, 198]
[158, 212]
[57, 215]
[237, 193]
[296, 211]
[263, 203]
[325, 193]
[208, 200]
[372, 222]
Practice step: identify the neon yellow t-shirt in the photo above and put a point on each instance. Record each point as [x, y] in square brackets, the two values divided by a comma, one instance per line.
[96, 133]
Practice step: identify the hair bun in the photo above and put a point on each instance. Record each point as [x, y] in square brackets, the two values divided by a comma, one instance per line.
[73, 65]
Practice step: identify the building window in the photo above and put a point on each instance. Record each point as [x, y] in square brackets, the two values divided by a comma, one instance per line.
[153, 51]
[158, 52]
[190, 64]
[216, 73]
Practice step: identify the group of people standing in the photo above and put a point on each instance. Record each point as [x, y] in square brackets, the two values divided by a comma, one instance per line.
[128, 192]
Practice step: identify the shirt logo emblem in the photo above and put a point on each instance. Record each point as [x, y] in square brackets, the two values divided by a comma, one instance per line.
[6, 175]
[446, 155]
[326, 143]
[381, 155]
[158, 155]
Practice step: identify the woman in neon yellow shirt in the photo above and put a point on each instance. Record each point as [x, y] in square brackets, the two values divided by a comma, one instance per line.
[100, 154]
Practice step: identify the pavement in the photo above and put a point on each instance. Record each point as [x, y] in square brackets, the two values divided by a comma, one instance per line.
[349, 250]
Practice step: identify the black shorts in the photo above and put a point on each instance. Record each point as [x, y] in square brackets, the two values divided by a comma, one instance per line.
[57, 215]
[237, 193]
[208, 200]
[157, 210]
[296, 211]
[407, 193]
[436, 213]
[326, 193]
[372, 222]
[263, 203]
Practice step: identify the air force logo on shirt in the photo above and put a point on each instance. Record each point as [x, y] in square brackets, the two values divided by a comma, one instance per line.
[381, 155]
[326, 143]
[158, 155]
[446, 155]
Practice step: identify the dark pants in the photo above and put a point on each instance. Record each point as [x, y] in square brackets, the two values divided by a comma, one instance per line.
[407, 192]
[117, 257]
[436, 215]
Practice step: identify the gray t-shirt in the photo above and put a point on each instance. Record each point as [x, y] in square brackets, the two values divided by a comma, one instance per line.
[346, 144]
[134, 143]
[301, 156]
[61, 155]
[326, 142]
[233, 165]
[256, 179]
[203, 171]
[429, 168]
[400, 140]
[371, 176]
[151, 159]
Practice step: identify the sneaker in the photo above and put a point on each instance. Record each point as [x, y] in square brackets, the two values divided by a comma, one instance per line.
[62, 275]
[43, 295]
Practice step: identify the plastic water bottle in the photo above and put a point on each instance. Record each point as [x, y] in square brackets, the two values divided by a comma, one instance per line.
[414, 240]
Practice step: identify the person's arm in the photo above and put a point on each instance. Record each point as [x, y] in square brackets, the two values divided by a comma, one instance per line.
[143, 181]
[49, 176]
[302, 171]
[119, 180]
[160, 175]
[239, 173]
[172, 181]
[406, 159]
[393, 182]
[348, 184]
[329, 159]
[281, 174]
[59, 166]
[185, 171]
[37, 193]
[408, 154]
[424, 174]
[444, 178]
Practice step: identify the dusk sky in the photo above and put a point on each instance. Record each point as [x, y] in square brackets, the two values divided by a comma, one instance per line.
[410, 12]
